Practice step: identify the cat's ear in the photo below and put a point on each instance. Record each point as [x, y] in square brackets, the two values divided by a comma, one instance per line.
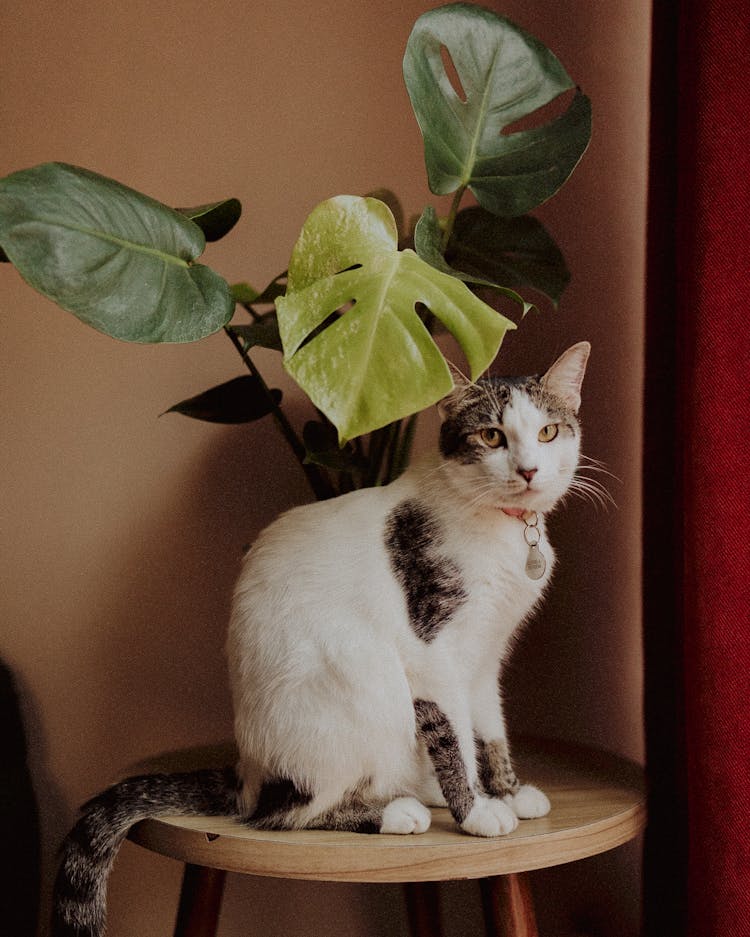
[565, 377]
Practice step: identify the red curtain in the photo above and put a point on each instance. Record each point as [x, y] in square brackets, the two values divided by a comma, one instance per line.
[697, 473]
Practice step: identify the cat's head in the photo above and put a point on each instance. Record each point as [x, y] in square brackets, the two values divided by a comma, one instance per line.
[513, 442]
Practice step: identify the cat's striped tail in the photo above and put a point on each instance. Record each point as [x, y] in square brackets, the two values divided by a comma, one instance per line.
[79, 908]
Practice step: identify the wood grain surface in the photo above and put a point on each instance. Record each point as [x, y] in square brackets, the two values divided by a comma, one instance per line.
[597, 803]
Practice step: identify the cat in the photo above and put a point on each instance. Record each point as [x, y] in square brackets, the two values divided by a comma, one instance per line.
[365, 645]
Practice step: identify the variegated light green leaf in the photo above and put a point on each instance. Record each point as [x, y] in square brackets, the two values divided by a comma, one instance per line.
[352, 334]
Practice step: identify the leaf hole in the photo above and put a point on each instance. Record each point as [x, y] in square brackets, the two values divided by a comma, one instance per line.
[543, 115]
[452, 73]
[346, 307]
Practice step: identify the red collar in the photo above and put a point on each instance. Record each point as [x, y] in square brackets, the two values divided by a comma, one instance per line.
[515, 512]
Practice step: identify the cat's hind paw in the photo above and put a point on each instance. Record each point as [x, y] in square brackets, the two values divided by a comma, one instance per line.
[405, 815]
[489, 817]
[528, 802]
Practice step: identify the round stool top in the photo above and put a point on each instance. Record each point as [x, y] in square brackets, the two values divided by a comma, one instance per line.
[597, 803]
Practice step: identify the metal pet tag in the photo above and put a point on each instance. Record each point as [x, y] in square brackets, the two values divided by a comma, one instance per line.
[535, 562]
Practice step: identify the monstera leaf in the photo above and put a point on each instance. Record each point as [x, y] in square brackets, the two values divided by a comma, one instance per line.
[513, 250]
[490, 251]
[428, 236]
[505, 75]
[353, 338]
[117, 259]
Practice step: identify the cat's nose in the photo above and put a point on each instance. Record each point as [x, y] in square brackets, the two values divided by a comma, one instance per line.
[528, 474]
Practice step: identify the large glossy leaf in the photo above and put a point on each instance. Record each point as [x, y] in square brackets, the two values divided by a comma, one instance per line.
[490, 251]
[505, 75]
[517, 251]
[117, 259]
[428, 236]
[352, 336]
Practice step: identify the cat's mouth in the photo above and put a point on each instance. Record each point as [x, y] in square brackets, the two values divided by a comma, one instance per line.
[530, 498]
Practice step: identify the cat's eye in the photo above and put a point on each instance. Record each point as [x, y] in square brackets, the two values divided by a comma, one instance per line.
[548, 433]
[493, 437]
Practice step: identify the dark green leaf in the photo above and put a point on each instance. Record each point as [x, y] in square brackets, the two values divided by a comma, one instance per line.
[215, 220]
[321, 443]
[428, 236]
[264, 332]
[505, 74]
[517, 251]
[240, 400]
[118, 260]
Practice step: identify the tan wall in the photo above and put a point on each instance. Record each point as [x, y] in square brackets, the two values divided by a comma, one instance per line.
[121, 532]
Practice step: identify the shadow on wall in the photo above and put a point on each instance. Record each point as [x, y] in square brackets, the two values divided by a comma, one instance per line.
[19, 819]
[161, 640]
[144, 669]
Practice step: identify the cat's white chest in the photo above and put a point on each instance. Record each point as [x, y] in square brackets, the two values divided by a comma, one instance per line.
[494, 560]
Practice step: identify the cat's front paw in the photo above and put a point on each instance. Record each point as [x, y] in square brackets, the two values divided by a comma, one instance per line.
[405, 815]
[489, 817]
[528, 802]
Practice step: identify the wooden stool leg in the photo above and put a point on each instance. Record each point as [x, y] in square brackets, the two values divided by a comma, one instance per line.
[508, 906]
[200, 902]
[423, 905]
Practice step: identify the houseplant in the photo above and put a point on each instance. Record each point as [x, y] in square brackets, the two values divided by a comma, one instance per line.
[354, 315]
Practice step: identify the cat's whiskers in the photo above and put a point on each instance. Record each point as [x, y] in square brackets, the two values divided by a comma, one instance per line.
[591, 490]
[595, 465]
[499, 489]
[479, 490]
[590, 459]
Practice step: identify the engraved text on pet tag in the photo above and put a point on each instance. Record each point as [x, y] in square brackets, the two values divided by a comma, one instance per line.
[535, 562]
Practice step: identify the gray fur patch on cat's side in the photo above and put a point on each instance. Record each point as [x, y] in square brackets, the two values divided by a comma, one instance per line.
[352, 816]
[496, 773]
[435, 730]
[432, 583]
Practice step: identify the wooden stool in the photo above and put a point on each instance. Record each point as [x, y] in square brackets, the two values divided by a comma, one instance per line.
[597, 803]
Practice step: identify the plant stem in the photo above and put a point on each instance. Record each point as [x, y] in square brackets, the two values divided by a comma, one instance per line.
[403, 449]
[321, 487]
[378, 444]
[393, 446]
[249, 309]
[451, 219]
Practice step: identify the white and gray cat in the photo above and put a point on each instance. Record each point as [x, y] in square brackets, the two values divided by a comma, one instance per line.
[365, 645]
